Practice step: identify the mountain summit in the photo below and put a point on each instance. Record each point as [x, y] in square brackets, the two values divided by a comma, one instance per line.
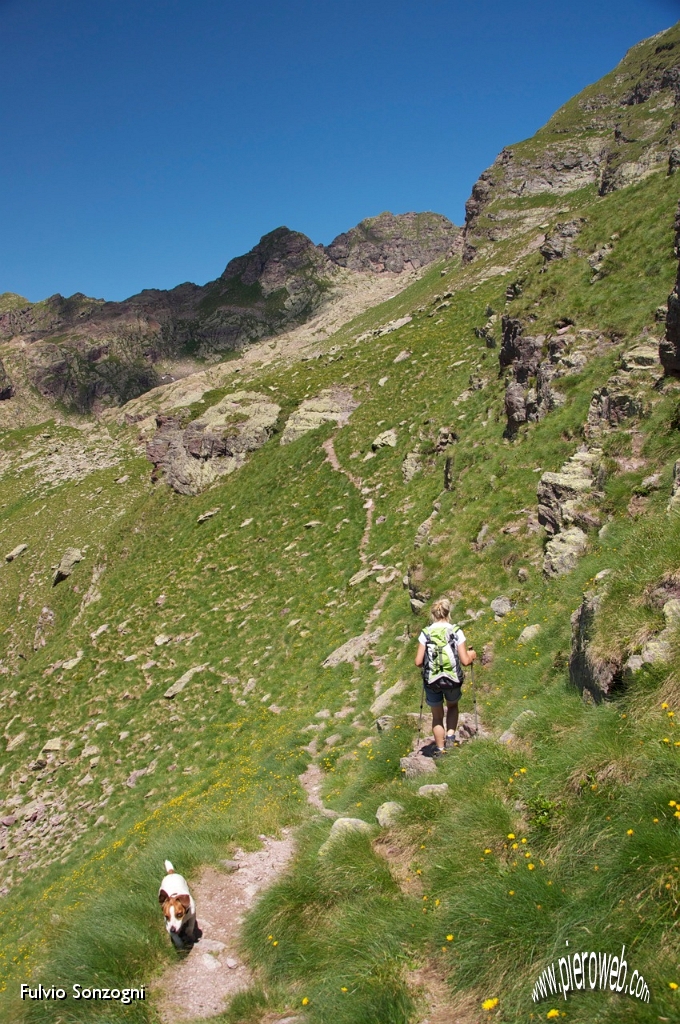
[88, 352]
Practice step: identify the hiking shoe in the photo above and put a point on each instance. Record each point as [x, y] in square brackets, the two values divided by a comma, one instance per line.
[438, 752]
[451, 741]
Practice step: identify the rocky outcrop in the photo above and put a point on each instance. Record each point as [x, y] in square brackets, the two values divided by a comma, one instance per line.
[560, 243]
[659, 648]
[587, 670]
[529, 394]
[562, 496]
[191, 456]
[603, 137]
[419, 593]
[68, 562]
[669, 348]
[333, 406]
[6, 386]
[565, 509]
[563, 551]
[393, 243]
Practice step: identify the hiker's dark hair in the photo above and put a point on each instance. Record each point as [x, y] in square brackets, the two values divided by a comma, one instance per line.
[441, 609]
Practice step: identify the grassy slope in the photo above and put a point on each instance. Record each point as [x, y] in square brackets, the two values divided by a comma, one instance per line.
[262, 609]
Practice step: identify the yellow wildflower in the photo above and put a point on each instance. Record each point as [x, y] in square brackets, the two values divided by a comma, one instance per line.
[672, 984]
[511, 835]
[630, 832]
[487, 850]
[305, 1001]
[552, 1014]
[343, 988]
[490, 1004]
[531, 866]
[449, 938]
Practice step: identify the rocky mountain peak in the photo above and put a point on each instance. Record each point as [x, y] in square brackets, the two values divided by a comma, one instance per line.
[392, 243]
[278, 255]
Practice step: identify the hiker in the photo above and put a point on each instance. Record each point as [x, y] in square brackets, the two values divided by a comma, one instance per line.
[441, 651]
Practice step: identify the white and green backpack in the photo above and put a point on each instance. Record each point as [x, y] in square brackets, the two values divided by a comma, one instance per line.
[442, 669]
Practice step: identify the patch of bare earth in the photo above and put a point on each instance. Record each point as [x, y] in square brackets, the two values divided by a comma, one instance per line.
[437, 1004]
[205, 978]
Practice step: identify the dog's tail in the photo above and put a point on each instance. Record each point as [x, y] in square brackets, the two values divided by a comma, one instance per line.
[168, 868]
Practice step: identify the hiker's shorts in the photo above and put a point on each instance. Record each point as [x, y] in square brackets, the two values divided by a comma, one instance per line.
[435, 698]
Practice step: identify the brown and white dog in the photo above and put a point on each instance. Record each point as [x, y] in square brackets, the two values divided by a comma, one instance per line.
[178, 908]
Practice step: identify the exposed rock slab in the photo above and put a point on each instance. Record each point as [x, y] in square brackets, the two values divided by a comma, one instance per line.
[563, 551]
[335, 405]
[352, 649]
[195, 455]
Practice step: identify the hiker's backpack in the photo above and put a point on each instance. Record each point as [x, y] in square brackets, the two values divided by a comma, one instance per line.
[442, 669]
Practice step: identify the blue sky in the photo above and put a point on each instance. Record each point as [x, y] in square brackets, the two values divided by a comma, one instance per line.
[146, 142]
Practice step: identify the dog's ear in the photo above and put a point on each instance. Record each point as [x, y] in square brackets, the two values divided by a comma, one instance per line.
[162, 896]
[185, 901]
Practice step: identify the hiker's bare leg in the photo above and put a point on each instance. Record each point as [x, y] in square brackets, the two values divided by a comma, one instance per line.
[451, 717]
[438, 724]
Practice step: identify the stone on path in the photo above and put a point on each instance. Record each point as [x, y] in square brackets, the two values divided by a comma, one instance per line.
[416, 764]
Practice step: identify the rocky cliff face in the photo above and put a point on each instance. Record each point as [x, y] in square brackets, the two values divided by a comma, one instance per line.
[613, 134]
[392, 244]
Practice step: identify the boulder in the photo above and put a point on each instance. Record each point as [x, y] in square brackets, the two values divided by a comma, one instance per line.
[388, 439]
[528, 634]
[436, 789]
[342, 827]
[68, 562]
[561, 494]
[560, 243]
[521, 352]
[15, 552]
[515, 406]
[388, 813]
[563, 552]
[501, 606]
[643, 357]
